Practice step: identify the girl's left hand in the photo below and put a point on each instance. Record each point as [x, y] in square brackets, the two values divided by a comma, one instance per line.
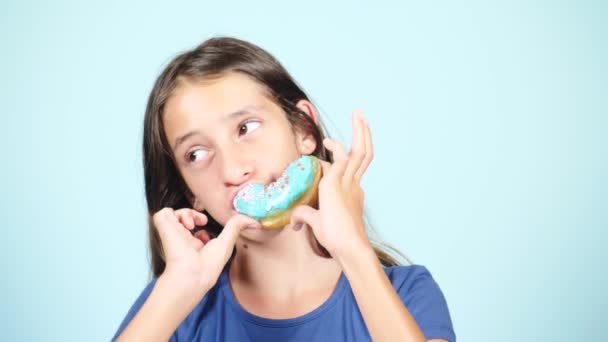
[338, 223]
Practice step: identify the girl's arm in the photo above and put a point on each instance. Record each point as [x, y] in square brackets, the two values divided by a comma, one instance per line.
[385, 315]
[169, 303]
[193, 266]
[338, 226]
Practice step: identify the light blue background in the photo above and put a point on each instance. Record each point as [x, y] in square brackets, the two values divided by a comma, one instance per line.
[489, 123]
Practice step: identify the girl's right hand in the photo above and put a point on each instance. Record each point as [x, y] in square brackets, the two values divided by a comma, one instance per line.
[197, 259]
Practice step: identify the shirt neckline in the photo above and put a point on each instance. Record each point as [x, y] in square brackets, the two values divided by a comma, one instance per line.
[336, 295]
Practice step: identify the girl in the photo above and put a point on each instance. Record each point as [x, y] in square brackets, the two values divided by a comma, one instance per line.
[222, 116]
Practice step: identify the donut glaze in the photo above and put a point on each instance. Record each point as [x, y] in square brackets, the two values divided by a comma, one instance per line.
[271, 204]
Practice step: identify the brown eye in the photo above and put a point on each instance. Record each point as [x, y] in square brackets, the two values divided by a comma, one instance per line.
[248, 127]
[197, 155]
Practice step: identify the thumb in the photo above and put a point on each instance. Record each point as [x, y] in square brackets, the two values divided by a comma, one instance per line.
[306, 214]
[325, 166]
[232, 229]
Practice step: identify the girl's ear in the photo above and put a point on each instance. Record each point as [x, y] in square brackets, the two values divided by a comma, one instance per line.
[308, 108]
[305, 141]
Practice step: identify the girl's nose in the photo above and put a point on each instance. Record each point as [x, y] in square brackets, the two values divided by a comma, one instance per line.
[236, 168]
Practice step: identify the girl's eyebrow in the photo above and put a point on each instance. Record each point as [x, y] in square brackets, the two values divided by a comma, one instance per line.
[181, 139]
[241, 112]
[230, 117]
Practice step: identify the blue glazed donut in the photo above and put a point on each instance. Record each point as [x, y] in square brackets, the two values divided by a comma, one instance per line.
[271, 204]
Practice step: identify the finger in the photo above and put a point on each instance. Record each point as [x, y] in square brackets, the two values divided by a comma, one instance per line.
[325, 166]
[169, 227]
[340, 157]
[185, 218]
[357, 151]
[200, 219]
[233, 228]
[203, 236]
[369, 151]
[198, 244]
[163, 219]
[190, 218]
[189, 221]
[167, 214]
[307, 215]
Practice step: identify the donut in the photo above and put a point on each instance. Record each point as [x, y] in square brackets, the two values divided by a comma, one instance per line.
[271, 204]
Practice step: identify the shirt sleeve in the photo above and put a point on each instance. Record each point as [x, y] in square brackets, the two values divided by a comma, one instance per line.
[139, 302]
[426, 302]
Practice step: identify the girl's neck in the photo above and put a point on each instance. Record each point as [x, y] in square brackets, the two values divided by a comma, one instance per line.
[282, 267]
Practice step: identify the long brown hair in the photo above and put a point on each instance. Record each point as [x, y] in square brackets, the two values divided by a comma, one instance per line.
[213, 58]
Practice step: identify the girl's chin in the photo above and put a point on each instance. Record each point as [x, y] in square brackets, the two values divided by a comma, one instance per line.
[260, 235]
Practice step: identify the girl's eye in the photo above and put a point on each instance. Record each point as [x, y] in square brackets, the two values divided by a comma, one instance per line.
[197, 155]
[248, 126]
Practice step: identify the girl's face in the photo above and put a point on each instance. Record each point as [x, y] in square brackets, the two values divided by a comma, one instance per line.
[226, 133]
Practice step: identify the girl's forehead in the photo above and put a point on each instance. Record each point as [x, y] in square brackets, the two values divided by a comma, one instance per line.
[216, 97]
[213, 99]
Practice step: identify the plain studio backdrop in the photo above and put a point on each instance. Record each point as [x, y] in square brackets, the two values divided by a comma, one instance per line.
[489, 122]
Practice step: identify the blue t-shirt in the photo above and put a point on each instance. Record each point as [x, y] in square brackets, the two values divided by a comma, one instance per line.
[219, 317]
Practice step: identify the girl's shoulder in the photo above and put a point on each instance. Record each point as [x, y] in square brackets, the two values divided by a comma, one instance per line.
[408, 278]
[407, 271]
[143, 296]
[424, 299]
